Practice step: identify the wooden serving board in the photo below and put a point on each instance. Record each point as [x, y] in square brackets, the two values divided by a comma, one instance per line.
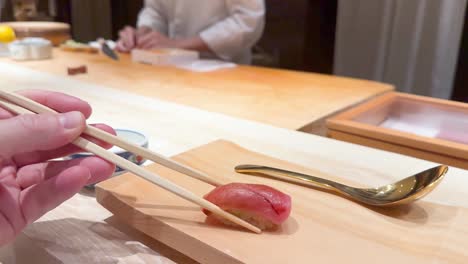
[322, 228]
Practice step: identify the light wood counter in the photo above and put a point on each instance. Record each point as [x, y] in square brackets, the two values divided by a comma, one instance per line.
[287, 99]
[81, 231]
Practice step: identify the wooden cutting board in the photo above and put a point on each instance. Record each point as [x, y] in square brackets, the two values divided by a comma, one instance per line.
[55, 32]
[322, 228]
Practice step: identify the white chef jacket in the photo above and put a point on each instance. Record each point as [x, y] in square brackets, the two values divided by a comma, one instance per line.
[229, 27]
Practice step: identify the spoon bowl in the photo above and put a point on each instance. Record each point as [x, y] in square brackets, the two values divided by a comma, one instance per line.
[401, 192]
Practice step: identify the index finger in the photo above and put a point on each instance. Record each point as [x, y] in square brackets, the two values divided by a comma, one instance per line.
[60, 102]
[128, 37]
[145, 39]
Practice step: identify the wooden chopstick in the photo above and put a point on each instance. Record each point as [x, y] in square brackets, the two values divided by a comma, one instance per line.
[114, 140]
[123, 163]
[148, 154]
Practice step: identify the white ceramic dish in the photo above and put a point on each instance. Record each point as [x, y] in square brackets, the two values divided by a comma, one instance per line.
[4, 51]
[30, 49]
[133, 136]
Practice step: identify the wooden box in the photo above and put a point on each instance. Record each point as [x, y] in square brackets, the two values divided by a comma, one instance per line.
[164, 56]
[418, 126]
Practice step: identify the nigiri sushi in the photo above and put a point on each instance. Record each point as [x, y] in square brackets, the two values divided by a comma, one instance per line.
[260, 205]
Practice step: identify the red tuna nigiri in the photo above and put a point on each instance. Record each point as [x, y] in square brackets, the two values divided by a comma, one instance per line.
[260, 205]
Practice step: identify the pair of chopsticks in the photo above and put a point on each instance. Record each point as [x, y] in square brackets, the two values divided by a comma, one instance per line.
[34, 107]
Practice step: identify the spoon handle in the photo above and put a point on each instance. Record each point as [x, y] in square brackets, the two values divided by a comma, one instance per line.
[290, 176]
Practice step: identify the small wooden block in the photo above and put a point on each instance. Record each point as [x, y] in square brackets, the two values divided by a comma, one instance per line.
[77, 70]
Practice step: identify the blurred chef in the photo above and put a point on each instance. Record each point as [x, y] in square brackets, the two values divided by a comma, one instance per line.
[222, 29]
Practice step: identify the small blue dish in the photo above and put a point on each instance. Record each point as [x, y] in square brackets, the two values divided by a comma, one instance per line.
[128, 135]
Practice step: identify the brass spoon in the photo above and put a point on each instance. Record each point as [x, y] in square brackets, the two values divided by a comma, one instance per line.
[400, 192]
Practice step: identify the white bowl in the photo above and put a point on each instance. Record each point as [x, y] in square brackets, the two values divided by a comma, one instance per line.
[30, 49]
[133, 136]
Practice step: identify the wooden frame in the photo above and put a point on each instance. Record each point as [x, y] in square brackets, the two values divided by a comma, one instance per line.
[360, 125]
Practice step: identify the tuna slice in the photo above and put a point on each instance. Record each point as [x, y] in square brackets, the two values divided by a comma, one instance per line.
[260, 205]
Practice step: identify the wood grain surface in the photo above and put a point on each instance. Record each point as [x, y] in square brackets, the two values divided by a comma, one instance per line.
[320, 223]
[286, 99]
[361, 125]
[79, 231]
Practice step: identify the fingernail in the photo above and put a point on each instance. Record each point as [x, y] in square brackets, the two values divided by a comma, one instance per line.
[71, 120]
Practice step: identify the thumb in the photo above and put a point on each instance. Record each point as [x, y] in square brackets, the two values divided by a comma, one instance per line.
[27, 133]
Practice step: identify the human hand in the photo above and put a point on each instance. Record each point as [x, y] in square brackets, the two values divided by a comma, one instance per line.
[128, 38]
[155, 39]
[30, 183]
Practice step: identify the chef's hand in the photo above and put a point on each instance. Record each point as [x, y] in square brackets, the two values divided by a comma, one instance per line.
[31, 184]
[154, 39]
[128, 38]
